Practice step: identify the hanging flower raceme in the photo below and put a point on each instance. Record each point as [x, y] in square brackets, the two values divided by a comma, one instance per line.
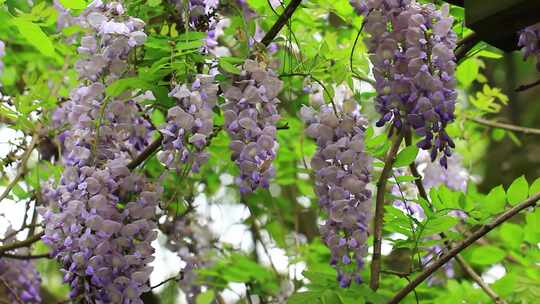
[251, 115]
[194, 244]
[20, 281]
[411, 47]
[100, 219]
[189, 124]
[341, 174]
[529, 42]
[102, 232]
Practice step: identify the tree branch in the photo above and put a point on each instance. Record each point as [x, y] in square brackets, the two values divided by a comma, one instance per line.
[282, 20]
[471, 273]
[15, 245]
[146, 153]
[465, 45]
[27, 256]
[466, 267]
[525, 87]
[504, 126]
[379, 212]
[21, 168]
[483, 230]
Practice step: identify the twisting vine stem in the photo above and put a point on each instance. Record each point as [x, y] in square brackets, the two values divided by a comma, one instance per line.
[379, 211]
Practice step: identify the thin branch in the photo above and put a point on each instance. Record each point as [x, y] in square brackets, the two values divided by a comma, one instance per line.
[22, 167]
[471, 273]
[27, 256]
[15, 245]
[504, 126]
[452, 253]
[466, 267]
[525, 87]
[379, 212]
[465, 45]
[177, 278]
[282, 20]
[153, 147]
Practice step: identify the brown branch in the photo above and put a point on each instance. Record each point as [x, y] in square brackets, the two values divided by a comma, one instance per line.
[471, 273]
[379, 212]
[21, 168]
[483, 230]
[466, 267]
[528, 86]
[15, 245]
[465, 45]
[146, 153]
[27, 256]
[282, 20]
[504, 126]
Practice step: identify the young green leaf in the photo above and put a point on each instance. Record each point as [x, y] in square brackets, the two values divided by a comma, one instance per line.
[487, 255]
[518, 191]
[495, 200]
[74, 4]
[35, 36]
[406, 156]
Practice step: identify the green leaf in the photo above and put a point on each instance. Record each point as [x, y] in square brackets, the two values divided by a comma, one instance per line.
[121, 85]
[35, 36]
[535, 187]
[518, 191]
[228, 67]
[305, 297]
[487, 255]
[511, 234]
[439, 224]
[406, 156]
[467, 71]
[74, 4]
[205, 297]
[495, 200]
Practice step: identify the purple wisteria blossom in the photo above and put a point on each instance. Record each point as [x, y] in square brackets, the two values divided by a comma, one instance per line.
[189, 124]
[19, 279]
[342, 171]
[194, 244]
[251, 115]
[529, 42]
[100, 218]
[411, 47]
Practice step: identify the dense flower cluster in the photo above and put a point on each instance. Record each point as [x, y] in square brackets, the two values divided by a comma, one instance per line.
[251, 115]
[100, 219]
[529, 42]
[20, 281]
[193, 242]
[341, 174]
[411, 48]
[189, 124]
[102, 232]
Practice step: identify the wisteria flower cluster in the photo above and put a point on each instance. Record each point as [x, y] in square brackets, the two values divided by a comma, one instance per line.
[19, 279]
[529, 42]
[411, 48]
[100, 220]
[251, 115]
[193, 242]
[342, 171]
[103, 232]
[189, 124]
